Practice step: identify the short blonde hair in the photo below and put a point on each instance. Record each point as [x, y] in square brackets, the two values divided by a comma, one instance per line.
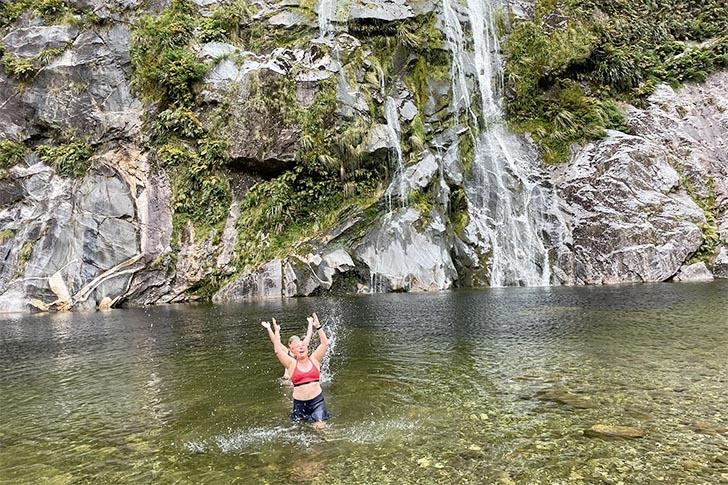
[292, 338]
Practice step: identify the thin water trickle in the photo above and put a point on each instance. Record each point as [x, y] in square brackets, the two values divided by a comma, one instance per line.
[326, 17]
[398, 186]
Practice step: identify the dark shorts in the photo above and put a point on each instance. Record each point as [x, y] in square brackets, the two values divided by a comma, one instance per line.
[310, 411]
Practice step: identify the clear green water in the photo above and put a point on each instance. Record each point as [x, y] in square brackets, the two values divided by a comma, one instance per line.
[456, 387]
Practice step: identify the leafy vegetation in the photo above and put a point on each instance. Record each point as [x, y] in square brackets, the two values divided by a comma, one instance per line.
[6, 235]
[70, 160]
[23, 68]
[50, 11]
[708, 204]
[26, 251]
[11, 153]
[563, 79]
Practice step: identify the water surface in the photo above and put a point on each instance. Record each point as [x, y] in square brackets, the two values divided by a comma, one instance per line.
[464, 387]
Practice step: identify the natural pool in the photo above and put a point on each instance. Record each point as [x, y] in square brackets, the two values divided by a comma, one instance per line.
[469, 386]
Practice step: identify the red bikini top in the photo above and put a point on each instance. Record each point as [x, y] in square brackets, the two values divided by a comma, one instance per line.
[300, 377]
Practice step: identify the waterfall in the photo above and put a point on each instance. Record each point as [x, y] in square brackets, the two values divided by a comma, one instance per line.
[326, 17]
[500, 192]
[394, 131]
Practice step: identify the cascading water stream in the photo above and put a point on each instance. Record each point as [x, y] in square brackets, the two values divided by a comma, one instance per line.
[326, 17]
[499, 192]
[397, 185]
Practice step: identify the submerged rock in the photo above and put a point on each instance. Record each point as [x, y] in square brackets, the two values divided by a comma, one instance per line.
[562, 396]
[606, 431]
[704, 427]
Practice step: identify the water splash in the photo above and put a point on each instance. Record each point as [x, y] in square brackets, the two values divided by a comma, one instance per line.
[332, 327]
[503, 189]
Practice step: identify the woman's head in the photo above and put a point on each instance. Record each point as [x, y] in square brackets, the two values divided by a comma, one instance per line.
[297, 348]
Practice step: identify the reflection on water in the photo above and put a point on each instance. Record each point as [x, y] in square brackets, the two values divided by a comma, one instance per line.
[467, 387]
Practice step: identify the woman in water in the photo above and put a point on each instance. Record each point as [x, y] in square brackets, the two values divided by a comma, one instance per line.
[308, 398]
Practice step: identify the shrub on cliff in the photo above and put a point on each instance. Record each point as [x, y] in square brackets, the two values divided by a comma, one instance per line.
[568, 65]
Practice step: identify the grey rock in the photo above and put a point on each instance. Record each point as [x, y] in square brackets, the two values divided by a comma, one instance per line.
[401, 257]
[213, 50]
[419, 175]
[630, 219]
[720, 265]
[290, 19]
[692, 123]
[408, 111]
[258, 138]
[694, 272]
[10, 192]
[267, 282]
[378, 139]
[386, 10]
[108, 9]
[73, 234]
[13, 113]
[522, 9]
[31, 41]
[86, 89]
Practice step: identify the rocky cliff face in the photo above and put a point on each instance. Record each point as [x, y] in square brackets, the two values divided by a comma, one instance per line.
[247, 152]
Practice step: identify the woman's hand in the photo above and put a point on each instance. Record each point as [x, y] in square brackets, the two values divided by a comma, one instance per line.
[276, 327]
[266, 325]
[316, 322]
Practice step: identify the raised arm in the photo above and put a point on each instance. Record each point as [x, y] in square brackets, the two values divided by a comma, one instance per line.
[275, 337]
[309, 332]
[323, 346]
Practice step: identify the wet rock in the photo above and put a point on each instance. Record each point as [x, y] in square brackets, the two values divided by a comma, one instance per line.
[105, 303]
[10, 192]
[378, 139]
[704, 427]
[694, 272]
[606, 431]
[402, 257]
[289, 19]
[691, 465]
[722, 459]
[419, 175]
[266, 282]
[563, 396]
